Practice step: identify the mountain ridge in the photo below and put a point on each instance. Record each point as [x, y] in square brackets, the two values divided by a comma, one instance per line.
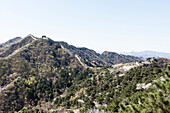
[86, 55]
[10, 41]
[42, 75]
[148, 54]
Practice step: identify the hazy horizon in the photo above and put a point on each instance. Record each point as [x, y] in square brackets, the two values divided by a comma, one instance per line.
[118, 26]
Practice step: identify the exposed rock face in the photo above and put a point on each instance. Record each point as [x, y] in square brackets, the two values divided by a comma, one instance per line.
[143, 85]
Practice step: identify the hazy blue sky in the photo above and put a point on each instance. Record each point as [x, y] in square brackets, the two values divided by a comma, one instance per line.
[112, 25]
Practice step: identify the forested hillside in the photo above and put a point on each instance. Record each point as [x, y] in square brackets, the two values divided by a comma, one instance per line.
[41, 75]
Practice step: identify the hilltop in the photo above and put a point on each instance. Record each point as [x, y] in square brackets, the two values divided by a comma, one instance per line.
[87, 56]
[42, 75]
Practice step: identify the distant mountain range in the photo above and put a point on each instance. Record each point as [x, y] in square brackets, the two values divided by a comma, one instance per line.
[148, 54]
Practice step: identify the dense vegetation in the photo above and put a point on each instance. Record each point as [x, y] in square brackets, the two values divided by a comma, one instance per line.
[44, 77]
